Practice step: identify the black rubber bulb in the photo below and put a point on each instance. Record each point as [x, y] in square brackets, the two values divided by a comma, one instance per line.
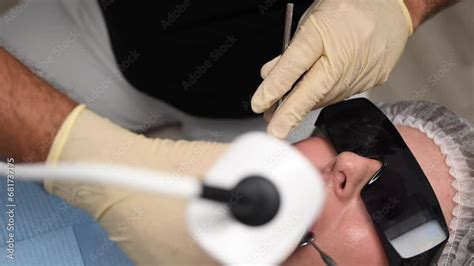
[256, 201]
[253, 201]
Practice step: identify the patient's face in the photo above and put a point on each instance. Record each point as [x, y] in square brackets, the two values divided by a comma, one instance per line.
[344, 229]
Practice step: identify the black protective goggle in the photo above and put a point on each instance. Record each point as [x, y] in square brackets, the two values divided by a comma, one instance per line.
[399, 198]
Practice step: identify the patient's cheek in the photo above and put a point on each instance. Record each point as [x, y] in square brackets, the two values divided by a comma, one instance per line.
[345, 231]
[357, 235]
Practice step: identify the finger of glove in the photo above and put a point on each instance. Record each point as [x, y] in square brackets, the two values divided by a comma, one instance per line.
[304, 51]
[330, 98]
[269, 113]
[267, 116]
[339, 97]
[311, 9]
[326, 101]
[337, 93]
[308, 93]
[265, 70]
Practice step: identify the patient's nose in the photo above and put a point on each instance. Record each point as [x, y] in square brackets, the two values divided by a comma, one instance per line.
[350, 174]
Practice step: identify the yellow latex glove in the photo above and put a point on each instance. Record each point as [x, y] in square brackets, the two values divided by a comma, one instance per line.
[149, 228]
[341, 47]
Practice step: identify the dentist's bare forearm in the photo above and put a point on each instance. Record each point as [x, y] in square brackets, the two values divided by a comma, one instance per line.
[421, 10]
[31, 111]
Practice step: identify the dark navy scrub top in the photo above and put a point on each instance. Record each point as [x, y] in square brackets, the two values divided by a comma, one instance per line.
[203, 57]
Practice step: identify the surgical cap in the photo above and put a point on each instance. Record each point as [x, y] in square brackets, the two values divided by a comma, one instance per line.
[455, 138]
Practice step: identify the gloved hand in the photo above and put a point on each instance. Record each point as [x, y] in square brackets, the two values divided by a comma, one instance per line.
[149, 228]
[340, 48]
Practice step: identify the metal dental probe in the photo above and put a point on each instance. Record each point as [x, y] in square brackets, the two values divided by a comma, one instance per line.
[288, 24]
[286, 42]
[309, 240]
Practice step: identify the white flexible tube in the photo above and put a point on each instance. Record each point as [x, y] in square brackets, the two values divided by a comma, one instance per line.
[127, 177]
